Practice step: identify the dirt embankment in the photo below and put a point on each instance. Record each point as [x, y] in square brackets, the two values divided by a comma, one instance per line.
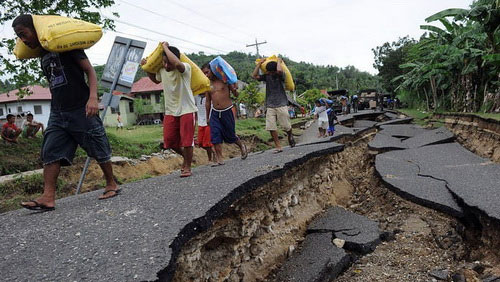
[479, 135]
[251, 241]
[154, 166]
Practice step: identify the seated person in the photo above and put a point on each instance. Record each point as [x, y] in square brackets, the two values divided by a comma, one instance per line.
[31, 127]
[10, 132]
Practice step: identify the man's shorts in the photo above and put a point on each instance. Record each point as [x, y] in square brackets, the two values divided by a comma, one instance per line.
[204, 136]
[331, 130]
[278, 114]
[67, 130]
[323, 124]
[222, 126]
[178, 131]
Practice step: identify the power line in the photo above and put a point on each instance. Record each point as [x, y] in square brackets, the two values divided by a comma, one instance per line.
[168, 35]
[180, 22]
[210, 19]
[153, 40]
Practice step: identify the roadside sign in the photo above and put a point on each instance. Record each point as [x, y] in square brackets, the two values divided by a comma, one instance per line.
[118, 74]
[132, 51]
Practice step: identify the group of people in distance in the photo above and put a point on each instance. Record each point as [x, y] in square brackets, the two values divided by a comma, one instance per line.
[326, 117]
[74, 121]
[29, 129]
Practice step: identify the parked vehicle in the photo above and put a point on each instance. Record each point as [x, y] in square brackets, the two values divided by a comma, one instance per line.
[367, 99]
[335, 97]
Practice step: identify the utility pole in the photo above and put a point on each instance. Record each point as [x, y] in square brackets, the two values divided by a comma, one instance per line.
[337, 81]
[256, 44]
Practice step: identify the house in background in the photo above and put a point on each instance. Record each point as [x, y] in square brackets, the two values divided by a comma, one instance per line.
[126, 109]
[151, 94]
[38, 103]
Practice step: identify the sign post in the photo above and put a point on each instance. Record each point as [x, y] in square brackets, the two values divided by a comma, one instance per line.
[119, 73]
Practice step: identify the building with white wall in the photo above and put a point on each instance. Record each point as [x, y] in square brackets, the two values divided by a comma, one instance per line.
[37, 103]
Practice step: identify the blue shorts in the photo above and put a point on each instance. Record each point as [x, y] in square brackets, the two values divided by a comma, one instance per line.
[67, 130]
[331, 129]
[222, 126]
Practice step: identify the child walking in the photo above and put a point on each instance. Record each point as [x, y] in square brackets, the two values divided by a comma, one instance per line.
[203, 127]
[180, 107]
[220, 115]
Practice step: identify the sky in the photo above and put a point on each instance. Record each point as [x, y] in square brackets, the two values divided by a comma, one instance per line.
[322, 32]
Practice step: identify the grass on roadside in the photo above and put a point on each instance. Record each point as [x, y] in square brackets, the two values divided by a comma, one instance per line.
[24, 188]
[425, 118]
[21, 156]
[132, 142]
[257, 127]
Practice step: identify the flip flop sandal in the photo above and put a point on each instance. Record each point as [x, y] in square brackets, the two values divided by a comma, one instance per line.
[277, 151]
[186, 174]
[217, 164]
[37, 206]
[244, 155]
[103, 196]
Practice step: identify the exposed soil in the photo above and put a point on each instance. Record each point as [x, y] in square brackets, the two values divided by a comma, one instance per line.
[250, 243]
[420, 239]
[155, 166]
[481, 142]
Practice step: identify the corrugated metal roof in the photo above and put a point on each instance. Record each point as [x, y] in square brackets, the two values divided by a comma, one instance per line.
[146, 85]
[37, 93]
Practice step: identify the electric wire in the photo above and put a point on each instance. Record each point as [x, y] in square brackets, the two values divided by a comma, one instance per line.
[168, 35]
[181, 22]
[210, 19]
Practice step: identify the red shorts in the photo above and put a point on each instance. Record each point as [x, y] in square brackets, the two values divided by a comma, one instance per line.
[178, 131]
[204, 136]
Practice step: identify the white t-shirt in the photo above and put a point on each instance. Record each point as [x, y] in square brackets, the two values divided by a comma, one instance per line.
[179, 99]
[322, 114]
[243, 109]
[202, 111]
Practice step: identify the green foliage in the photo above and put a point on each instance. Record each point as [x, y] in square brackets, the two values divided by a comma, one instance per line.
[28, 72]
[23, 187]
[311, 95]
[253, 127]
[451, 68]
[251, 95]
[388, 58]
[136, 141]
[305, 75]
[20, 157]
[143, 106]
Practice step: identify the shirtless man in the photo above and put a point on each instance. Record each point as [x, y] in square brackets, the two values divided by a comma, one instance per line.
[31, 127]
[220, 115]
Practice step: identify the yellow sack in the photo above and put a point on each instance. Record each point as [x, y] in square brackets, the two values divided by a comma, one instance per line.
[199, 82]
[289, 84]
[24, 52]
[61, 34]
[154, 62]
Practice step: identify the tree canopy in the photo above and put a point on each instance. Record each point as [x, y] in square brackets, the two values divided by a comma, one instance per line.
[452, 68]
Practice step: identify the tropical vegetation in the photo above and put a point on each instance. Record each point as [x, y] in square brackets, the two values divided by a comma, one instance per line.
[454, 68]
